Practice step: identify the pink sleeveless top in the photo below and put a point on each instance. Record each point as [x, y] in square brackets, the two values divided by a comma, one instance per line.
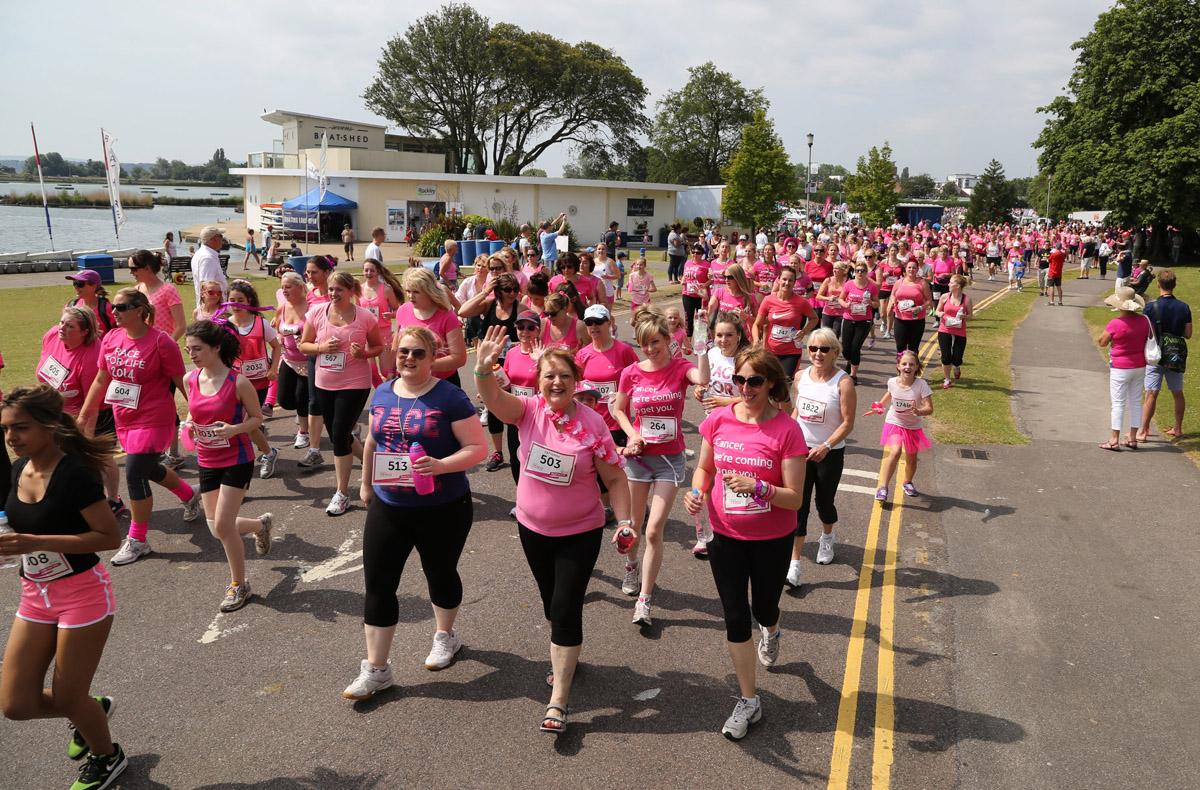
[214, 452]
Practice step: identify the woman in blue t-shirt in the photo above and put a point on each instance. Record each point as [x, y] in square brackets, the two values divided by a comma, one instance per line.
[415, 408]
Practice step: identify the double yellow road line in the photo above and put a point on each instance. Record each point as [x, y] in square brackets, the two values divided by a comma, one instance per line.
[885, 710]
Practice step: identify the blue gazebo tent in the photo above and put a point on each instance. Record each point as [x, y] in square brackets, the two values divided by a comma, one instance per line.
[302, 214]
[332, 202]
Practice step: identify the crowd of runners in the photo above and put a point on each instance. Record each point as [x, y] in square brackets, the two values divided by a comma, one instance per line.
[769, 339]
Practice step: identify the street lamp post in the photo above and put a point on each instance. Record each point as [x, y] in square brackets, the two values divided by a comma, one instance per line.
[808, 180]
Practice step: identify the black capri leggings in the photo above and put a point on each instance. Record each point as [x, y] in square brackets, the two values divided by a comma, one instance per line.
[341, 408]
[823, 476]
[763, 565]
[314, 403]
[562, 568]
[437, 532]
[789, 362]
[833, 322]
[142, 469]
[690, 305]
[854, 334]
[292, 391]
[908, 334]
[952, 348]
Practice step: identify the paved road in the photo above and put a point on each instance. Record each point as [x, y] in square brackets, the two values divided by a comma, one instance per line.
[927, 670]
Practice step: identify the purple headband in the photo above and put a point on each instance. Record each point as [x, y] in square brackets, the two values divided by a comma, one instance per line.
[244, 306]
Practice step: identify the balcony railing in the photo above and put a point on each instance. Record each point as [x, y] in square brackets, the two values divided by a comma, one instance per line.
[272, 159]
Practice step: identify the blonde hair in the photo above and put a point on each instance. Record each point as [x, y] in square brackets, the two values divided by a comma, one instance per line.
[649, 321]
[824, 336]
[421, 279]
[140, 301]
[345, 279]
[292, 277]
[204, 285]
[423, 335]
[737, 275]
[556, 302]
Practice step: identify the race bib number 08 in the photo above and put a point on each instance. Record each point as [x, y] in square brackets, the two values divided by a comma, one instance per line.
[45, 566]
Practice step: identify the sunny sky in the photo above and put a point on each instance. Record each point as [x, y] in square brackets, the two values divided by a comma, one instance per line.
[949, 85]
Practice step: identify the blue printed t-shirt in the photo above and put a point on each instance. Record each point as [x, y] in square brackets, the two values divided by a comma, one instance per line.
[428, 420]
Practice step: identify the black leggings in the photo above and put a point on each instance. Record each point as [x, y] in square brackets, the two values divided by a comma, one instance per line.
[763, 564]
[937, 290]
[314, 403]
[620, 440]
[690, 305]
[437, 532]
[341, 408]
[675, 266]
[824, 476]
[854, 334]
[833, 322]
[952, 347]
[562, 568]
[292, 391]
[1103, 265]
[908, 334]
[789, 362]
[142, 469]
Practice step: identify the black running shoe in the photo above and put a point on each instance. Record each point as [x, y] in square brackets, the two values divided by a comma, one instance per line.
[99, 772]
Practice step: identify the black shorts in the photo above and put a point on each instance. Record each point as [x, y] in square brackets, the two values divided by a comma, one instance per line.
[238, 476]
[348, 247]
[1054, 281]
[993, 260]
[262, 394]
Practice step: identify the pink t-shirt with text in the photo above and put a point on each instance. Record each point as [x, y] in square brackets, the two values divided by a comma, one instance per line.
[70, 371]
[339, 370]
[602, 372]
[142, 371]
[656, 400]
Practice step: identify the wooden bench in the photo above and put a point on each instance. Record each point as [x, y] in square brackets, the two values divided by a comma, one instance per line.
[179, 270]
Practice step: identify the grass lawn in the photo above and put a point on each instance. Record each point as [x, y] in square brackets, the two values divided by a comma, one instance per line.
[977, 410]
[1187, 288]
[29, 312]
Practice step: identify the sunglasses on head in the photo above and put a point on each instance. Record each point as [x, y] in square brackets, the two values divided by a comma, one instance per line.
[415, 353]
[595, 321]
[822, 349]
[120, 308]
[747, 381]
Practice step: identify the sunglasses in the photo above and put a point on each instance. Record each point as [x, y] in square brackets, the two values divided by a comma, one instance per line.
[79, 284]
[595, 321]
[822, 349]
[552, 315]
[509, 290]
[121, 308]
[495, 268]
[415, 353]
[527, 327]
[743, 381]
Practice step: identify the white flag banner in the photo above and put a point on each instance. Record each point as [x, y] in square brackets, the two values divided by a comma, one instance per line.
[322, 178]
[313, 173]
[112, 172]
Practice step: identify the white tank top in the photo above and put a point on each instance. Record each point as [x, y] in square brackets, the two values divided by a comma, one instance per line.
[819, 408]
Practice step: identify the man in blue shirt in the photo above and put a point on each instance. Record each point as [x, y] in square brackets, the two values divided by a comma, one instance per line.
[548, 239]
[1172, 321]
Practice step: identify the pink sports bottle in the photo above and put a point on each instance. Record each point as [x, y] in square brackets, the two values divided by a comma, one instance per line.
[422, 482]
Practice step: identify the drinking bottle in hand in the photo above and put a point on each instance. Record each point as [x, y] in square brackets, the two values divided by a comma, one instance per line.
[624, 540]
[422, 482]
[9, 561]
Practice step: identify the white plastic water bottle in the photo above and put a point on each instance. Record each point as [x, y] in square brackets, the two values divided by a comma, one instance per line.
[6, 561]
[703, 528]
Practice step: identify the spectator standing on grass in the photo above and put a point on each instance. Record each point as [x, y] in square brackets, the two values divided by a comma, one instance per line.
[375, 248]
[1172, 322]
[612, 238]
[1124, 264]
[1126, 334]
[206, 262]
[548, 239]
[675, 253]
[169, 248]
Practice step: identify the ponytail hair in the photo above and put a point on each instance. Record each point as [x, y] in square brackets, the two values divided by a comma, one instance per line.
[44, 405]
[139, 300]
[386, 275]
[220, 336]
[246, 289]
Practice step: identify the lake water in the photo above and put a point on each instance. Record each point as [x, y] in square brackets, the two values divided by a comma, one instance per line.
[21, 187]
[23, 228]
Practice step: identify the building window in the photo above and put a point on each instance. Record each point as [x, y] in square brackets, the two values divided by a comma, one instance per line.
[639, 207]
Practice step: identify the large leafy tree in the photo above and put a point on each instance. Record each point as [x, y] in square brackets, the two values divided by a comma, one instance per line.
[871, 188]
[499, 96]
[758, 176]
[1126, 137]
[993, 198]
[918, 186]
[698, 126]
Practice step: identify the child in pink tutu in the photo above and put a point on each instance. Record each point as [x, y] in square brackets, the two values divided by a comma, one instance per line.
[907, 401]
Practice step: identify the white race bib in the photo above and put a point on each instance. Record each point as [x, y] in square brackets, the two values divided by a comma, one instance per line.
[522, 392]
[207, 436]
[549, 466]
[373, 310]
[606, 389]
[45, 566]
[123, 393]
[659, 430]
[858, 308]
[742, 504]
[900, 404]
[255, 368]
[392, 469]
[891, 279]
[783, 334]
[953, 321]
[905, 305]
[810, 410]
[690, 287]
[334, 361]
[53, 372]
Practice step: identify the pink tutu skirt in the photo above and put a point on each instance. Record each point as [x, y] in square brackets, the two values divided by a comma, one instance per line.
[149, 439]
[910, 440]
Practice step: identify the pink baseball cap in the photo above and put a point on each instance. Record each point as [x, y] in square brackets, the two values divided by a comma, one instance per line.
[85, 276]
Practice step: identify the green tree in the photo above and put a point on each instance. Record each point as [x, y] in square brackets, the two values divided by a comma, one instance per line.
[993, 198]
[758, 176]
[918, 186]
[698, 126]
[950, 189]
[534, 172]
[1036, 197]
[1126, 137]
[53, 165]
[871, 189]
[627, 163]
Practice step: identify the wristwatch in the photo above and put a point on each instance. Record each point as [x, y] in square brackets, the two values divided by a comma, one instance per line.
[826, 445]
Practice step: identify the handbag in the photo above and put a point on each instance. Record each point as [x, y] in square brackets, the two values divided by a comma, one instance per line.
[1153, 352]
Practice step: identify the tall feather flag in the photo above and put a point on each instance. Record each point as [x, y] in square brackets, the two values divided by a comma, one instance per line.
[112, 173]
[37, 157]
[323, 178]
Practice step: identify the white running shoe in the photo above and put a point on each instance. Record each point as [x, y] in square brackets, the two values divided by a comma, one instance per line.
[301, 442]
[793, 574]
[370, 681]
[192, 508]
[641, 612]
[131, 550]
[262, 538]
[512, 513]
[632, 583]
[745, 713]
[825, 549]
[311, 459]
[445, 648]
[768, 647]
[266, 464]
[339, 503]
